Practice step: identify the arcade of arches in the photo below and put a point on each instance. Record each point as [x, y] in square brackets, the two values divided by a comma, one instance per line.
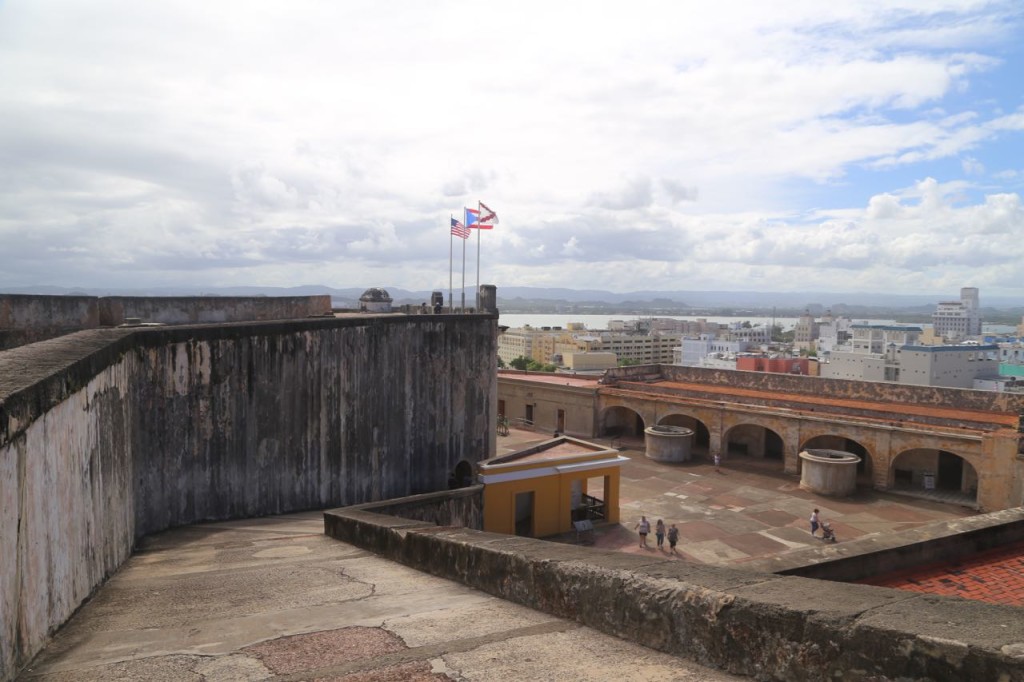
[972, 456]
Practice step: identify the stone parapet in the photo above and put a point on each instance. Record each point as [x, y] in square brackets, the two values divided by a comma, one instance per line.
[767, 626]
[28, 318]
[878, 553]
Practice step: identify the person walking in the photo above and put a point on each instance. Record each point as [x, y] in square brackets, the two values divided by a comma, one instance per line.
[815, 522]
[718, 460]
[659, 533]
[673, 538]
[644, 527]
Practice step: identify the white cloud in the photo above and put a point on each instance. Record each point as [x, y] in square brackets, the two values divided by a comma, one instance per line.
[319, 142]
[571, 248]
[633, 194]
[972, 166]
[884, 206]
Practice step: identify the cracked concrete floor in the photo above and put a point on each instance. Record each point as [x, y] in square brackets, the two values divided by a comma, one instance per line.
[274, 599]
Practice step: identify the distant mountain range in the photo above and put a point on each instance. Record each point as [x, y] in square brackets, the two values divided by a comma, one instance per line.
[538, 299]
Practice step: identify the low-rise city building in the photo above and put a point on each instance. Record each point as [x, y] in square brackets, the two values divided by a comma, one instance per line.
[832, 333]
[756, 362]
[959, 366]
[708, 351]
[550, 345]
[588, 361]
[892, 353]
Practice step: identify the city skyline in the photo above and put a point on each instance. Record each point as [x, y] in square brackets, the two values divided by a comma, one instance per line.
[874, 147]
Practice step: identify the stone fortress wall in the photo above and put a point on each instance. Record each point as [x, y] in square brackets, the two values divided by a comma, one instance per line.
[110, 434]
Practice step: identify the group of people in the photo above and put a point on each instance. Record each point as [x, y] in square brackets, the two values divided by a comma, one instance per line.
[660, 533]
[643, 527]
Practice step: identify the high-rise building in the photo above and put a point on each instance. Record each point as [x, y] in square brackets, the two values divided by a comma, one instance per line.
[958, 320]
[806, 332]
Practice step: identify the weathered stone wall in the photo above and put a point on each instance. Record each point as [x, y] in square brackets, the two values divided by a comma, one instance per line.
[759, 624]
[578, 402]
[107, 435]
[28, 318]
[463, 507]
[261, 419]
[113, 310]
[66, 504]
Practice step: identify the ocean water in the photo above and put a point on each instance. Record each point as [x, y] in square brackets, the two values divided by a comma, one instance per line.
[601, 321]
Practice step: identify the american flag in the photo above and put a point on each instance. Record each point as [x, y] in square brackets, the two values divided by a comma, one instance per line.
[459, 230]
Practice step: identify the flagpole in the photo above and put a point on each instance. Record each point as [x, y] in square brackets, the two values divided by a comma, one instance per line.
[463, 276]
[479, 212]
[451, 248]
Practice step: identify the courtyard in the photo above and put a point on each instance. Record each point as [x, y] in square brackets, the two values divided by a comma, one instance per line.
[746, 511]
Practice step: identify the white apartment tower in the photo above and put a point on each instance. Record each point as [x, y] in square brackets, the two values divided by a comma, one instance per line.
[958, 320]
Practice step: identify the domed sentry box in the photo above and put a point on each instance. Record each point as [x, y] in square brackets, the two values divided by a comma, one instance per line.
[829, 472]
[668, 443]
[375, 300]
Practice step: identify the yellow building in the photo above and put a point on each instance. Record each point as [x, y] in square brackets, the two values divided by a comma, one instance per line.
[541, 490]
[589, 362]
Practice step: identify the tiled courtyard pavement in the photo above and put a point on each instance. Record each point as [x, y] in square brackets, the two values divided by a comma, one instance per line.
[747, 511]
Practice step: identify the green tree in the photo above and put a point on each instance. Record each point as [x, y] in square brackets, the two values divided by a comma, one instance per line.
[522, 362]
[525, 363]
[501, 363]
[781, 336]
[535, 366]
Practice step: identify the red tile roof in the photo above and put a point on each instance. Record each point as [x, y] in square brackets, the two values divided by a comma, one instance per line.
[995, 576]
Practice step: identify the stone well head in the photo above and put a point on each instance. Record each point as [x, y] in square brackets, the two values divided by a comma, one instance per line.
[829, 472]
[666, 443]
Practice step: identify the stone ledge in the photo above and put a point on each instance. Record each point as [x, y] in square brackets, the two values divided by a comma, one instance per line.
[759, 624]
[870, 556]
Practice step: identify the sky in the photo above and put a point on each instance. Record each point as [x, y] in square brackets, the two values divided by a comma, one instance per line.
[670, 146]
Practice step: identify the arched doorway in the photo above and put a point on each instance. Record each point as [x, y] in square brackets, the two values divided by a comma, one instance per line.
[754, 442]
[701, 435]
[929, 472]
[831, 442]
[622, 422]
[462, 476]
